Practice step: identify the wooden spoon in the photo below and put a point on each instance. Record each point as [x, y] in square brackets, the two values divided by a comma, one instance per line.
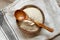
[21, 15]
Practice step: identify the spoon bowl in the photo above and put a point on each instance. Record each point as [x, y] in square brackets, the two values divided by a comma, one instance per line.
[20, 15]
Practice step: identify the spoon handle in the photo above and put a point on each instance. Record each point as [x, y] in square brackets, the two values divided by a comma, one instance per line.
[45, 27]
[42, 25]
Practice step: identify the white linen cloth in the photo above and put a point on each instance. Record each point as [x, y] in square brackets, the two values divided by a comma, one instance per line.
[51, 12]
